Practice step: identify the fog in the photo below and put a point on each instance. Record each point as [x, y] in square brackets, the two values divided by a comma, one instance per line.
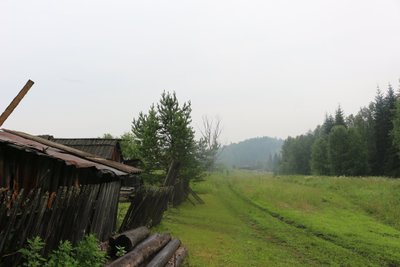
[265, 68]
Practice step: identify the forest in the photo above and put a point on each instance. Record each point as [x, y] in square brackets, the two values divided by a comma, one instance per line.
[259, 153]
[364, 144]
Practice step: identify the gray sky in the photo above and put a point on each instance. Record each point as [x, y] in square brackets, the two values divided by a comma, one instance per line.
[266, 68]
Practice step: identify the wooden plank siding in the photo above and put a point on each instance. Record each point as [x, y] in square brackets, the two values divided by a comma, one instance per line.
[22, 169]
[76, 211]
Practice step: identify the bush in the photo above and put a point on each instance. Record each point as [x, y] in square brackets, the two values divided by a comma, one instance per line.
[89, 254]
[63, 256]
[31, 254]
[86, 254]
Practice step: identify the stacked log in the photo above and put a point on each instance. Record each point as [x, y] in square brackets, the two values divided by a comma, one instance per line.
[156, 250]
[128, 240]
[178, 258]
[162, 258]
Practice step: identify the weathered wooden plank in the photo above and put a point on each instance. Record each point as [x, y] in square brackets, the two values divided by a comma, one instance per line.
[14, 103]
[13, 215]
[40, 214]
[194, 194]
[51, 232]
[114, 211]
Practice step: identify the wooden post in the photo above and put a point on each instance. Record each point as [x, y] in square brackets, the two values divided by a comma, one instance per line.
[15, 102]
[172, 173]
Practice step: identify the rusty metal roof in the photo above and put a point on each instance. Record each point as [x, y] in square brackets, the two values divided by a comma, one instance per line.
[67, 154]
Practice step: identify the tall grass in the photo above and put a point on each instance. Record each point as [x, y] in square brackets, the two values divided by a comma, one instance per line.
[255, 219]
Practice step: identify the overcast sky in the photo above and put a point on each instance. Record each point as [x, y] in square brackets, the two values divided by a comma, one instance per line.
[265, 68]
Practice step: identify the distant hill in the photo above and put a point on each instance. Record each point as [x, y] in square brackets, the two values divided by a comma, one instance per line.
[254, 153]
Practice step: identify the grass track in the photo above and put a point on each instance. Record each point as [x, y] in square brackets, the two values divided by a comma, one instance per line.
[252, 219]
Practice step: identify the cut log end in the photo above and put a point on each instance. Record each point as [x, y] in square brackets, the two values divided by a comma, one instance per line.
[165, 254]
[129, 239]
[178, 257]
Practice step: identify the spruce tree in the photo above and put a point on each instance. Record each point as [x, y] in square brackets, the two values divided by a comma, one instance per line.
[392, 163]
[381, 134]
[328, 124]
[320, 164]
[145, 132]
[339, 117]
[338, 148]
[165, 135]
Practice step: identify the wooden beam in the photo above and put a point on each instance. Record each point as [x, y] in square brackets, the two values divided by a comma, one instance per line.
[15, 102]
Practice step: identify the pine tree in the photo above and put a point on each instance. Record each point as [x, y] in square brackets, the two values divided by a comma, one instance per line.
[320, 164]
[338, 147]
[145, 130]
[176, 135]
[165, 135]
[364, 124]
[296, 155]
[339, 117]
[381, 134]
[356, 154]
[328, 124]
[392, 163]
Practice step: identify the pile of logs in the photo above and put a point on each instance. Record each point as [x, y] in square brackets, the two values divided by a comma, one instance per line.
[143, 249]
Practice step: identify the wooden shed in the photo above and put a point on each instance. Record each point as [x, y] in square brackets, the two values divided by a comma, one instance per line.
[28, 161]
[54, 191]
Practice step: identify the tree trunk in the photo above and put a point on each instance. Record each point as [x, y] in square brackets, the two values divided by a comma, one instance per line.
[142, 252]
[165, 254]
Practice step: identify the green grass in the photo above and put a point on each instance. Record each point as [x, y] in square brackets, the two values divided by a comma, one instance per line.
[122, 210]
[255, 219]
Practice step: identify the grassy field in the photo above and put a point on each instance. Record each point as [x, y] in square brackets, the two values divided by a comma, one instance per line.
[255, 219]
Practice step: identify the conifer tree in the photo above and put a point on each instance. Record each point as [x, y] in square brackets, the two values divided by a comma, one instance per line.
[328, 124]
[165, 135]
[339, 117]
[381, 134]
[320, 164]
[392, 163]
[338, 147]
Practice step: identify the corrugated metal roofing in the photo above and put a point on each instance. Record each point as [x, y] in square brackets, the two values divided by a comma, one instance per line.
[70, 155]
[97, 146]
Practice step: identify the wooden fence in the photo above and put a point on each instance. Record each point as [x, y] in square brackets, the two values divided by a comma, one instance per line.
[67, 214]
[148, 204]
[147, 207]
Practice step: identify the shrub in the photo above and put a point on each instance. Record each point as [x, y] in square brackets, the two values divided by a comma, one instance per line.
[86, 254]
[31, 254]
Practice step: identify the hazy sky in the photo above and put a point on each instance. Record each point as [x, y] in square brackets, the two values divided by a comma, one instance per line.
[264, 67]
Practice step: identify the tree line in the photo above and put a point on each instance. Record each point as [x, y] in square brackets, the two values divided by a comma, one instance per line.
[365, 144]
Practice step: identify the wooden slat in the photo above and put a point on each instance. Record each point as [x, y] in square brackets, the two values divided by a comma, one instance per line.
[14, 103]
[13, 215]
